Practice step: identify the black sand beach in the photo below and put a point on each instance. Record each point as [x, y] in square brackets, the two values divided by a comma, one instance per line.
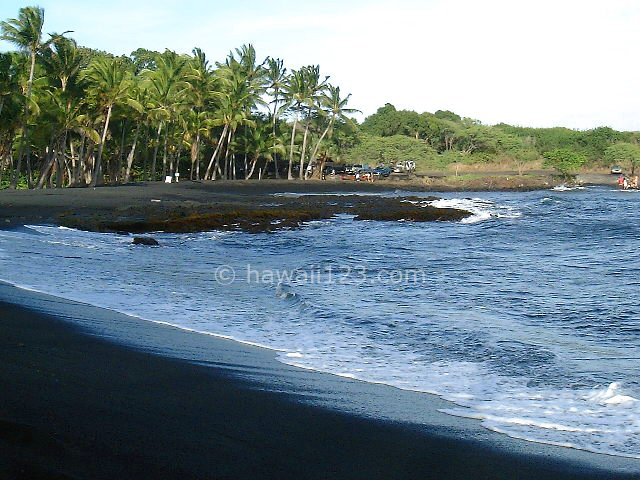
[77, 403]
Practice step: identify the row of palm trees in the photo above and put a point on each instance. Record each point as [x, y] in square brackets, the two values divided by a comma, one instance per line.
[73, 116]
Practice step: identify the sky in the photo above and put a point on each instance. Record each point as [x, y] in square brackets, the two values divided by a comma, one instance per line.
[542, 63]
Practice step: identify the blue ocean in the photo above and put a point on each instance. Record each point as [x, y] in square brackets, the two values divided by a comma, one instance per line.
[525, 316]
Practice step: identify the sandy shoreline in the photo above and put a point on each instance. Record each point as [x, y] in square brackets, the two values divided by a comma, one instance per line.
[88, 400]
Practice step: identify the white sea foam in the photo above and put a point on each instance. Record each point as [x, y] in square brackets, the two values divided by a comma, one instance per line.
[565, 188]
[294, 355]
[481, 209]
[600, 420]
[183, 294]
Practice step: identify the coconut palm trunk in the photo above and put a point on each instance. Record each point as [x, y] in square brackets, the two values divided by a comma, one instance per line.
[97, 170]
[304, 149]
[195, 147]
[253, 167]
[275, 155]
[209, 175]
[155, 153]
[293, 139]
[48, 164]
[80, 164]
[74, 163]
[254, 162]
[314, 153]
[226, 155]
[130, 157]
[25, 130]
[164, 152]
[59, 168]
[118, 168]
[61, 160]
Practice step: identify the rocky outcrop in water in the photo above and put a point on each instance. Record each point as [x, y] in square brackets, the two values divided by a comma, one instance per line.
[250, 216]
[148, 241]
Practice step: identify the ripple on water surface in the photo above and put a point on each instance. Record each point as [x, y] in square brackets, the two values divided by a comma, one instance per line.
[526, 316]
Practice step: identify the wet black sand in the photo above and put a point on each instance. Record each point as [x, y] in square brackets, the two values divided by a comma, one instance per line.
[76, 402]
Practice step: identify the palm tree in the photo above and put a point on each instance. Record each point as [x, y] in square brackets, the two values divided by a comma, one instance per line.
[336, 107]
[61, 104]
[26, 33]
[303, 91]
[235, 105]
[247, 80]
[240, 91]
[167, 86]
[311, 97]
[109, 82]
[140, 114]
[67, 116]
[276, 77]
[9, 85]
[198, 127]
[261, 144]
[63, 61]
[294, 92]
[202, 90]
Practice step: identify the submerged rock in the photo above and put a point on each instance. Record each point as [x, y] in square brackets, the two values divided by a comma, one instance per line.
[422, 214]
[149, 241]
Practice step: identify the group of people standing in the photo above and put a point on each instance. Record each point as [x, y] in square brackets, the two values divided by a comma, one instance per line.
[626, 183]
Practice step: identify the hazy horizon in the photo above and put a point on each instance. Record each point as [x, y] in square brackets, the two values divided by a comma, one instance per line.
[536, 64]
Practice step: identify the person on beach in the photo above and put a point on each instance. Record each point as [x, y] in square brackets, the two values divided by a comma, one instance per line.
[634, 182]
[625, 183]
[620, 180]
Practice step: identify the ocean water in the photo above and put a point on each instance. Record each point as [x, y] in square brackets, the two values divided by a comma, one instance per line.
[525, 316]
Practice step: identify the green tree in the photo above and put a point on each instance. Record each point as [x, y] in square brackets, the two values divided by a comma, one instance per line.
[56, 96]
[25, 32]
[202, 83]
[565, 161]
[9, 85]
[239, 93]
[63, 61]
[276, 75]
[261, 144]
[337, 110]
[304, 91]
[621, 153]
[167, 86]
[109, 83]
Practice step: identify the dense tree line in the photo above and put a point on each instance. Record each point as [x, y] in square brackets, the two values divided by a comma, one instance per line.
[73, 116]
[441, 138]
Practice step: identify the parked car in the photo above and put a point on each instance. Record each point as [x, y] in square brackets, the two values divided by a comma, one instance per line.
[382, 171]
[334, 169]
[616, 170]
[407, 166]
